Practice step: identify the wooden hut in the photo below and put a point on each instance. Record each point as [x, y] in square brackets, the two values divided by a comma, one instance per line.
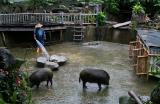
[145, 52]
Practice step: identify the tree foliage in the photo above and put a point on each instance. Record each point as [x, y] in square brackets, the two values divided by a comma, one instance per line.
[111, 6]
[4, 2]
[37, 3]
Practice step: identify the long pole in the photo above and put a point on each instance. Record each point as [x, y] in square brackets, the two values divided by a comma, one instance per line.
[133, 95]
[3, 39]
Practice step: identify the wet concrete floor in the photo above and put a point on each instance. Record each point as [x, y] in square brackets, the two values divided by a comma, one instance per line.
[66, 89]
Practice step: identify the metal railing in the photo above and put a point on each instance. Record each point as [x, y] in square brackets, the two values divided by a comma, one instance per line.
[58, 18]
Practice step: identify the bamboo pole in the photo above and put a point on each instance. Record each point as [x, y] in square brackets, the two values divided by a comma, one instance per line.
[3, 39]
[61, 35]
[134, 96]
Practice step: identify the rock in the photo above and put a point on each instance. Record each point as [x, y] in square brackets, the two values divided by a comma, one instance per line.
[59, 59]
[144, 99]
[41, 62]
[8, 61]
[52, 65]
[6, 58]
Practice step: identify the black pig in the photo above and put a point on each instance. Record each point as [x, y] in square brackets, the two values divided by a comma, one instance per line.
[94, 76]
[39, 76]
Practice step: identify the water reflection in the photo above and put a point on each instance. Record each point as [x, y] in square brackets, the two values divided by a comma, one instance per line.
[94, 96]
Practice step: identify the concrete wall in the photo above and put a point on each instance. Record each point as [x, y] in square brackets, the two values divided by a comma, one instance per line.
[104, 33]
[90, 33]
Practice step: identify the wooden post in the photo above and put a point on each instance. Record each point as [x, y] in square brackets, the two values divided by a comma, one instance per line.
[62, 19]
[50, 35]
[61, 35]
[3, 39]
[142, 65]
[132, 46]
[80, 18]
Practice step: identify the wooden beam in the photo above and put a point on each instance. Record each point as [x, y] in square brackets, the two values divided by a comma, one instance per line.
[141, 73]
[143, 56]
[133, 42]
[121, 24]
[154, 55]
[31, 28]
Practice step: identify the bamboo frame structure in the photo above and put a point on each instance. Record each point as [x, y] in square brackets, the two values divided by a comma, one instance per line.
[145, 60]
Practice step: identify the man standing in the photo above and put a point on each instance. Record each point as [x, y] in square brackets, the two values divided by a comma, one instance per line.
[40, 35]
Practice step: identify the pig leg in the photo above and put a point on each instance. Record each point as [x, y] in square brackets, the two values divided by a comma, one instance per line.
[99, 85]
[50, 81]
[47, 83]
[37, 85]
[84, 84]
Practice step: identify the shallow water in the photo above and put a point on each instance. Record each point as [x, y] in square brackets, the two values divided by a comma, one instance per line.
[66, 89]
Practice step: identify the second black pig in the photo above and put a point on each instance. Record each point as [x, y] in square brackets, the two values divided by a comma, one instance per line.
[94, 76]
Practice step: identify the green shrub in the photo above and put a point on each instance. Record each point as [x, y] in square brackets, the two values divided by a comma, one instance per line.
[101, 18]
[137, 8]
[14, 88]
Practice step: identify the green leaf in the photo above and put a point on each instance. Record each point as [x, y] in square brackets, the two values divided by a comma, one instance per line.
[14, 97]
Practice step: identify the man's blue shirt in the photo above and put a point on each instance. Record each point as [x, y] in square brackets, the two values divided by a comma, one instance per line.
[40, 35]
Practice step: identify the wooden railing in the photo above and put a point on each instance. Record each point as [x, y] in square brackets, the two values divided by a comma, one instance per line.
[47, 18]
